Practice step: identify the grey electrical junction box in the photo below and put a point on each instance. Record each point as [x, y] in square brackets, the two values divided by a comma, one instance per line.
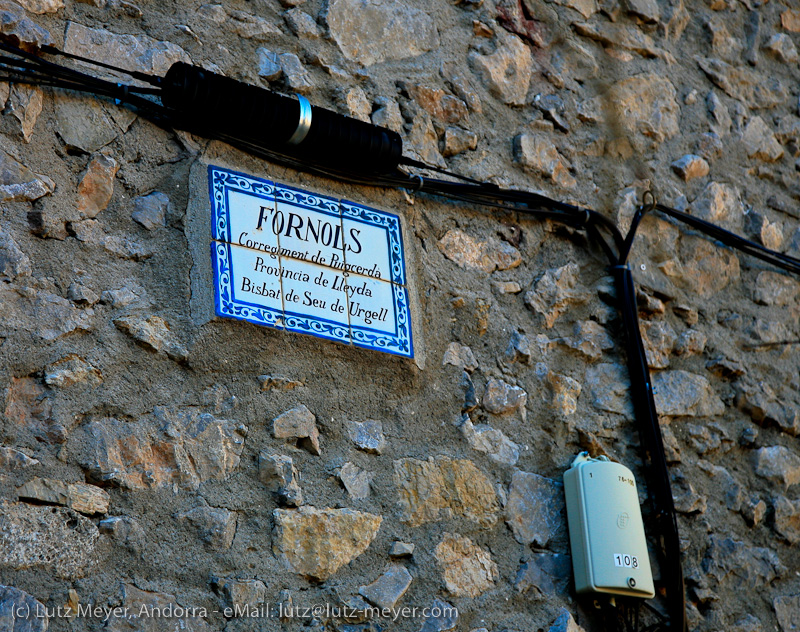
[609, 551]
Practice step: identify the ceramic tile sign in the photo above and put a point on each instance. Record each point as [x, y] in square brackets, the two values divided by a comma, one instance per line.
[308, 263]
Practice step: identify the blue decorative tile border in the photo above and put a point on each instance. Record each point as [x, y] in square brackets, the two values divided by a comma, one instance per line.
[308, 263]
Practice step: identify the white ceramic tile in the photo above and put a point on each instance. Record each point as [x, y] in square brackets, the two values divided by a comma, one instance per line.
[373, 244]
[315, 293]
[308, 226]
[371, 304]
[248, 284]
[250, 221]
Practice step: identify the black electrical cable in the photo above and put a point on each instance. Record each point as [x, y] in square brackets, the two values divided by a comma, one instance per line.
[656, 469]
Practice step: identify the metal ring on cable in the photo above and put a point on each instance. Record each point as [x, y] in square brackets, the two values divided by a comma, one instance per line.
[304, 123]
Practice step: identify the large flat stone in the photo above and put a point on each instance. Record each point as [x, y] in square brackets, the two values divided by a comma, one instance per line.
[181, 447]
[442, 488]
[318, 542]
[374, 31]
[54, 539]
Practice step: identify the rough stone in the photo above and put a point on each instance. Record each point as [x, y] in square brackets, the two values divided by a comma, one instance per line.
[12, 459]
[71, 370]
[787, 607]
[538, 156]
[252, 27]
[97, 186]
[659, 339]
[242, 595]
[781, 46]
[457, 141]
[84, 124]
[367, 436]
[759, 141]
[778, 464]
[711, 269]
[423, 140]
[733, 496]
[507, 71]
[609, 386]
[18, 183]
[442, 617]
[535, 508]
[618, 35]
[401, 549]
[215, 525]
[46, 316]
[518, 349]
[563, 391]
[301, 23]
[125, 530]
[55, 539]
[129, 52]
[29, 407]
[488, 256]
[690, 342]
[719, 113]
[460, 356]
[21, 612]
[787, 518]
[790, 20]
[84, 498]
[544, 574]
[740, 565]
[565, 622]
[269, 64]
[25, 103]
[278, 473]
[441, 488]
[765, 405]
[496, 445]
[42, 6]
[468, 570]
[717, 203]
[777, 289]
[295, 74]
[356, 481]
[152, 333]
[13, 262]
[21, 30]
[90, 232]
[387, 114]
[555, 292]
[768, 233]
[389, 588]
[356, 103]
[744, 85]
[151, 210]
[278, 383]
[178, 447]
[381, 30]
[690, 167]
[686, 499]
[299, 424]
[500, 398]
[645, 107]
[318, 542]
[138, 607]
[444, 109]
[589, 338]
[680, 393]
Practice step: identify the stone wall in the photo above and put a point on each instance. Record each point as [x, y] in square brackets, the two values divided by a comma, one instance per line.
[152, 460]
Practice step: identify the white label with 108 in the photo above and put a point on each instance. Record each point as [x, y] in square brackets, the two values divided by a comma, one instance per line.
[625, 561]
